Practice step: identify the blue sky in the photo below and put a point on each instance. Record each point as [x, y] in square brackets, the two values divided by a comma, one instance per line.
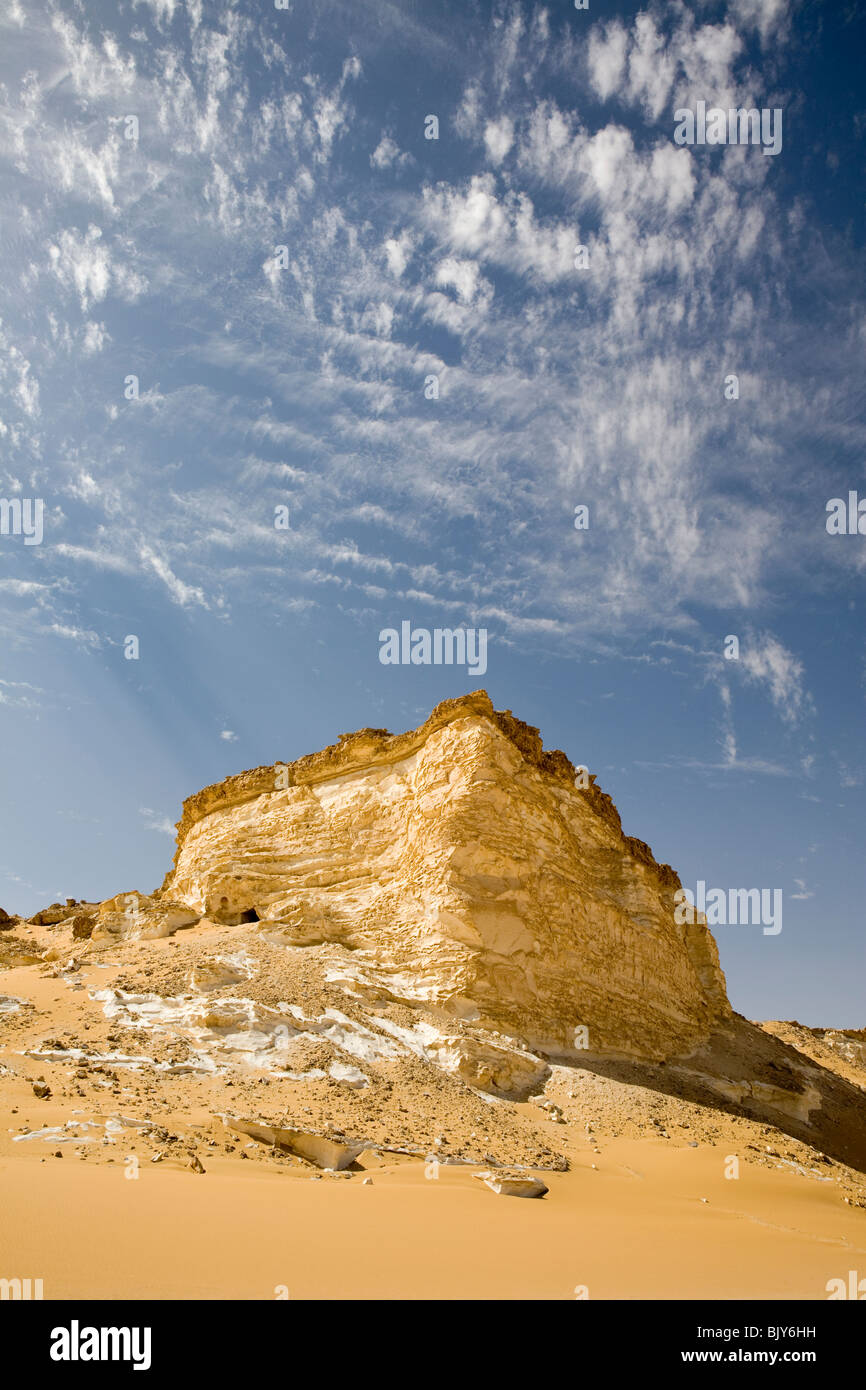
[261, 385]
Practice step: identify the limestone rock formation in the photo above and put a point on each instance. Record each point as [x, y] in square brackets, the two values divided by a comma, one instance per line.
[136, 915]
[335, 1152]
[513, 1185]
[849, 1043]
[59, 915]
[397, 942]
[463, 869]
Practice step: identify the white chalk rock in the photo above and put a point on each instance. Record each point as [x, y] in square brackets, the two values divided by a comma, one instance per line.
[325, 1151]
[507, 1185]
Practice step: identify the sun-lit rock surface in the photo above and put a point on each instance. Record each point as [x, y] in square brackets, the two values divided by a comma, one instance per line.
[461, 861]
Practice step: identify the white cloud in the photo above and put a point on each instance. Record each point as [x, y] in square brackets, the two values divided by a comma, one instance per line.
[766, 16]
[83, 263]
[378, 318]
[119, 564]
[182, 594]
[398, 251]
[162, 10]
[606, 59]
[473, 221]
[95, 71]
[766, 661]
[460, 275]
[651, 67]
[388, 153]
[154, 821]
[95, 338]
[83, 637]
[498, 138]
[562, 385]
[22, 588]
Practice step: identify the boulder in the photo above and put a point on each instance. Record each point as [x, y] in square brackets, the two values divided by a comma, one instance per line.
[136, 916]
[513, 1185]
[49, 916]
[325, 1150]
[82, 924]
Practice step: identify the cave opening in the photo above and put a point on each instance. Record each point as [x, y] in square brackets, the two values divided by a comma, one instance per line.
[249, 916]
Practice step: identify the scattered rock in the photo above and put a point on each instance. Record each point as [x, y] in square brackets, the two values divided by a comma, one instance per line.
[326, 1151]
[507, 1185]
[49, 916]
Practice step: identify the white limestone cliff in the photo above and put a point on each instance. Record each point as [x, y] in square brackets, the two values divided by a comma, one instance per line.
[464, 869]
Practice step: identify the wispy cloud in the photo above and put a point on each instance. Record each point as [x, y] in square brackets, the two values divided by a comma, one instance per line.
[802, 893]
[154, 821]
[431, 358]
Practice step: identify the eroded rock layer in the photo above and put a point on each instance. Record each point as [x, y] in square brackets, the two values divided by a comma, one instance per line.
[464, 869]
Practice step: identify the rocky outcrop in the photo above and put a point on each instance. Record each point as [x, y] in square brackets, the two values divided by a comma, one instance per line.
[463, 860]
[49, 916]
[850, 1043]
[334, 1152]
[374, 747]
[140, 916]
[66, 914]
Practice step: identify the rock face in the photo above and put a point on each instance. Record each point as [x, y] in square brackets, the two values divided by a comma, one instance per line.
[464, 869]
[849, 1043]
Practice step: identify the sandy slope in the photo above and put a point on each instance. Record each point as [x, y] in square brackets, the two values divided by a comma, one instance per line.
[633, 1228]
[257, 1220]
